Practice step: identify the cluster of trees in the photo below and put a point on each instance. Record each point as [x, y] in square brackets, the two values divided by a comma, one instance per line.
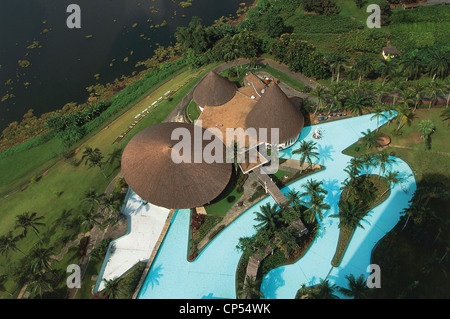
[327, 7]
[357, 289]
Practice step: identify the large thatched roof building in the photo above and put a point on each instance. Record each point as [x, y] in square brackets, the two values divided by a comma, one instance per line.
[152, 172]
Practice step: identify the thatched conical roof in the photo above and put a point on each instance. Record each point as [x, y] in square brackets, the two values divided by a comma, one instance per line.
[214, 90]
[150, 171]
[276, 110]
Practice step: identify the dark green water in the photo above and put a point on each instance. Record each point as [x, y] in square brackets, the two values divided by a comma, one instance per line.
[66, 63]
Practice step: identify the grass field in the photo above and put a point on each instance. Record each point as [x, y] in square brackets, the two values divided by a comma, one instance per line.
[63, 187]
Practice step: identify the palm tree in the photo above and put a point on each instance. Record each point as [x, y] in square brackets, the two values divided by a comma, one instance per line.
[396, 86]
[269, 217]
[367, 161]
[356, 103]
[362, 67]
[383, 159]
[339, 62]
[319, 93]
[438, 64]
[386, 69]
[27, 220]
[357, 287]
[426, 128]
[89, 218]
[403, 115]
[307, 150]
[112, 288]
[8, 242]
[313, 188]
[94, 158]
[40, 282]
[110, 205]
[392, 178]
[446, 116]
[251, 289]
[92, 197]
[324, 291]
[417, 90]
[433, 90]
[335, 93]
[411, 66]
[379, 113]
[294, 199]
[370, 138]
[350, 215]
[41, 258]
[317, 206]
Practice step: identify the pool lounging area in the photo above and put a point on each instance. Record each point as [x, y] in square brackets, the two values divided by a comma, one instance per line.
[212, 274]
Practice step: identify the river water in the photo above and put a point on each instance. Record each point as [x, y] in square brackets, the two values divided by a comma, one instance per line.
[63, 61]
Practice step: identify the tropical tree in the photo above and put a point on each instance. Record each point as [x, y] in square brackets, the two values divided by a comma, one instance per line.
[363, 67]
[383, 160]
[41, 258]
[92, 198]
[94, 157]
[350, 214]
[433, 91]
[88, 219]
[337, 62]
[411, 66]
[324, 291]
[392, 178]
[294, 199]
[269, 217]
[417, 90]
[335, 94]
[426, 128]
[40, 282]
[356, 103]
[110, 205]
[370, 138]
[316, 208]
[3, 279]
[112, 288]
[319, 93]
[8, 242]
[313, 188]
[438, 64]
[27, 220]
[403, 115]
[250, 289]
[307, 150]
[446, 116]
[357, 287]
[387, 69]
[379, 113]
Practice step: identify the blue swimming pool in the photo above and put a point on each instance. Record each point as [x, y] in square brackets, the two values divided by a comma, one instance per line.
[212, 274]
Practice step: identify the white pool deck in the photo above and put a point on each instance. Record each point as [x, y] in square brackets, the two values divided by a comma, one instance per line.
[145, 223]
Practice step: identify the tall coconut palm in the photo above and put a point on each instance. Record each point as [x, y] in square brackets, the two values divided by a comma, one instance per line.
[357, 287]
[357, 103]
[251, 289]
[89, 219]
[313, 188]
[294, 199]
[268, 217]
[438, 64]
[363, 67]
[92, 198]
[110, 205]
[340, 61]
[426, 128]
[392, 178]
[324, 291]
[379, 113]
[112, 288]
[8, 243]
[316, 208]
[319, 93]
[307, 150]
[367, 161]
[411, 66]
[370, 138]
[403, 115]
[417, 90]
[383, 160]
[433, 90]
[446, 116]
[350, 215]
[41, 258]
[27, 220]
[40, 282]
[335, 94]
[386, 69]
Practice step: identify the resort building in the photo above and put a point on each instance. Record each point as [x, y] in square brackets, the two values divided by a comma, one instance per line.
[259, 104]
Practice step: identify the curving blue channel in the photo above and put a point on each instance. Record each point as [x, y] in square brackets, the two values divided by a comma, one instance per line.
[212, 274]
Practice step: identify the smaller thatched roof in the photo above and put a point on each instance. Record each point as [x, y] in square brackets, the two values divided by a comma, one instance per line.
[276, 110]
[214, 90]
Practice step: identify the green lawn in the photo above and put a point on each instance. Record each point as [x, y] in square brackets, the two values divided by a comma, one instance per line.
[64, 186]
[193, 112]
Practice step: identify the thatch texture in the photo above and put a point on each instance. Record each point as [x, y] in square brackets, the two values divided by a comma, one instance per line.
[214, 90]
[276, 110]
[150, 171]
